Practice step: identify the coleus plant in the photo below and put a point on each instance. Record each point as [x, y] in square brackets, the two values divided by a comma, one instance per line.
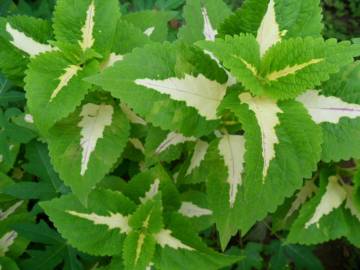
[223, 125]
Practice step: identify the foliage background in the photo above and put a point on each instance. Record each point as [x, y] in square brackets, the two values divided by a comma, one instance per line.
[342, 21]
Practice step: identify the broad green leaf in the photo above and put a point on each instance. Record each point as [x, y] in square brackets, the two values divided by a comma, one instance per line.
[276, 18]
[296, 156]
[105, 221]
[55, 85]
[330, 215]
[340, 139]
[153, 23]
[164, 66]
[85, 146]
[90, 24]
[22, 37]
[287, 69]
[202, 19]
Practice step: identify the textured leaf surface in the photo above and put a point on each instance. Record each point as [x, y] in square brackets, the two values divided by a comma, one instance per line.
[15, 53]
[55, 85]
[339, 207]
[122, 80]
[341, 139]
[294, 18]
[202, 19]
[84, 233]
[287, 69]
[88, 142]
[88, 23]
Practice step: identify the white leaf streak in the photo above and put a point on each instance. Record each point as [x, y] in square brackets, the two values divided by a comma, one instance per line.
[327, 109]
[266, 111]
[25, 43]
[64, 79]
[189, 209]
[88, 28]
[164, 238]
[114, 221]
[232, 149]
[94, 120]
[198, 92]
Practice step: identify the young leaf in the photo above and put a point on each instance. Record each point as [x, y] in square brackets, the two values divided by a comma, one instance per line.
[202, 19]
[287, 69]
[285, 18]
[89, 142]
[87, 23]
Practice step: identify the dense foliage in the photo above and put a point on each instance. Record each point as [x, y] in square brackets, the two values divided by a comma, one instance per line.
[148, 139]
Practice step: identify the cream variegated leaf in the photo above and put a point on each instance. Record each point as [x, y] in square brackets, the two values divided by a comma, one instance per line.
[113, 221]
[333, 197]
[5, 214]
[327, 109]
[232, 149]
[164, 238]
[64, 80]
[209, 31]
[198, 155]
[269, 32]
[302, 196]
[198, 92]
[266, 111]
[95, 118]
[173, 138]
[87, 30]
[151, 193]
[6, 241]
[113, 58]
[189, 209]
[25, 43]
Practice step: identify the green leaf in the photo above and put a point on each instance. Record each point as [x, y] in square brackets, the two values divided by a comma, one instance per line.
[147, 184]
[153, 23]
[55, 85]
[330, 215]
[139, 249]
[128, 37]
[148, 216]
[7, 263]
[202, 19]
[287, 69]
[340, 140]
[21, 37]
[127, 82]
[104, 220]
[88, 24]
[56, 249]
[85, 146]
[296, 155]
[198, 257]
[294, 18]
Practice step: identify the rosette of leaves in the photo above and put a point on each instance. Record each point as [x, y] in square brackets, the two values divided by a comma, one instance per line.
[85, 128]
[256, 89]
[146, 225]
